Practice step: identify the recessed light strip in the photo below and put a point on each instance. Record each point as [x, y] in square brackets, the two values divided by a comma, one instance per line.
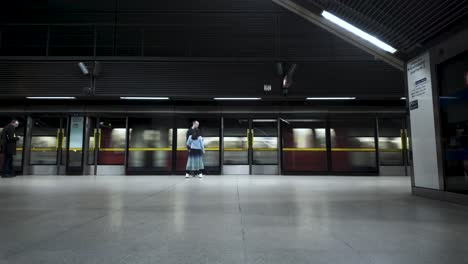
[340, 22]
[144, 98]
[331, 98]
[51, 97]
[264, 120]
[234, 98]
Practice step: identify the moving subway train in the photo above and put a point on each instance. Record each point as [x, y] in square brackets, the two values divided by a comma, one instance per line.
[154, 143]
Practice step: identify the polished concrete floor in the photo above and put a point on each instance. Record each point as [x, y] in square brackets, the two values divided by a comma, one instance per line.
[226, 219]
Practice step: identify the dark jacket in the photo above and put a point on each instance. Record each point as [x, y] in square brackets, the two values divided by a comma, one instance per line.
[8, 140]
[190, 133]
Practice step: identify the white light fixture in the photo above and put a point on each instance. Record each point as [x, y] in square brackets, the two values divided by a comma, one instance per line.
[52, 97]
[403, 98]
[304, 120]
[235, 98]
[340, 22]
[331, 98]
[264, 120]
[83, 68]
[144, 98]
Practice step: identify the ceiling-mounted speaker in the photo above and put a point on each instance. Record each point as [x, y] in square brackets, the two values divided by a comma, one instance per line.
[84, 70]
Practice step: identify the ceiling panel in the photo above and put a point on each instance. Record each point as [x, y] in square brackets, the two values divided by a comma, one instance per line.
[405, 24]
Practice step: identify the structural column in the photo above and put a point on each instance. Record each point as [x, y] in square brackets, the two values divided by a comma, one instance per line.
[427, 165]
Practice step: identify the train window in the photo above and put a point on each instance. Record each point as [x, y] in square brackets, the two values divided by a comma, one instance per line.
[304, 145]
[236, 147]
[111, 141]
[150, 144]
[265, 142]
[391, 133]
[353, 144]
[45, 141]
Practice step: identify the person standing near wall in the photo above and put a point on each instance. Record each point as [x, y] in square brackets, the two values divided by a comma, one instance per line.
[195, 158]
[194, 127]
[8, 141]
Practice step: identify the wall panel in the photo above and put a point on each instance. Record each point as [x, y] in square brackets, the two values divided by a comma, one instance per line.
[41, 79]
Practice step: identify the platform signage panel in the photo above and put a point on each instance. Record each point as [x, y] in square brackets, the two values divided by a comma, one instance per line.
[414, 105]
[424, 146]
[76, 132]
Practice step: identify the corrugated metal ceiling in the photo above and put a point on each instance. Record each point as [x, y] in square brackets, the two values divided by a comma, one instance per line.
[405, 24]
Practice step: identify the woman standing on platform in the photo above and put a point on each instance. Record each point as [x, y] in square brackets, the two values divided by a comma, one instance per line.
[195, 158]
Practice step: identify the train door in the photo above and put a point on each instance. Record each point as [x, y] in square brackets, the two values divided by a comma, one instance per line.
[264, 147]
[250, 146]
[110, 145]
[210, 129]
[150, 145]
[305, 146]
[47, 151]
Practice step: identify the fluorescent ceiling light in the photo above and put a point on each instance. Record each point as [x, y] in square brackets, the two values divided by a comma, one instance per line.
[304, 120]
[144, 98]
[403, 98]
[233, 98]
[331, 98]
[52, 97]
[264, 120]
[340, 22]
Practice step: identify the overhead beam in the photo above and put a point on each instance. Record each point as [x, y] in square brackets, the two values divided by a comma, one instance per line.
[323, 23]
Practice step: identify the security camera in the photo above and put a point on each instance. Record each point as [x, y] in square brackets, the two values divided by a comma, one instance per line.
[83, 68]
[288, 78]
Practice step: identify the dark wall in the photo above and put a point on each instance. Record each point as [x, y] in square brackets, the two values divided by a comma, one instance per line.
[199, 80]
[186, 28]
[41, 79]
[91, 6]
[281, 36]
[187, 79]
[452, 97]
[247, 36]
[369, 79]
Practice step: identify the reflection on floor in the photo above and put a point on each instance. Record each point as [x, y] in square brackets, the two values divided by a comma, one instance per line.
[228, 219]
